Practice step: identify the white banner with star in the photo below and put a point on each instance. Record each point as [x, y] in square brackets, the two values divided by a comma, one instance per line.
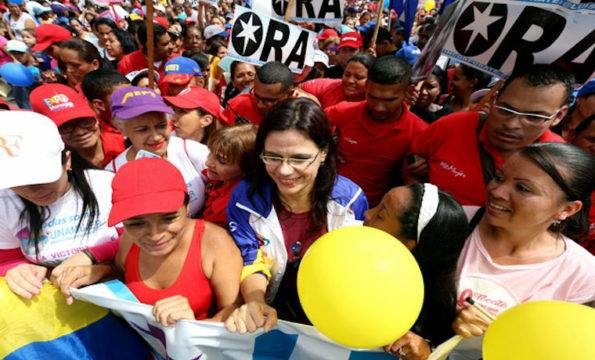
[499, 36]
[258, 39]
[316, 11]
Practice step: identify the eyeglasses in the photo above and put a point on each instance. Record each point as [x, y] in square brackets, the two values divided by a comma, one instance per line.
[529, 118]
[87, 124]
[266, 101]
[294, 162]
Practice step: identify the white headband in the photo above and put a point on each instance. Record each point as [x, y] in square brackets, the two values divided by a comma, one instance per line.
[427, 210]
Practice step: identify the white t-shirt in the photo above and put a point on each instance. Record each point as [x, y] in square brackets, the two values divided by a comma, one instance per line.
[60, 238]
[569, 277]
[189, 157]
[18, 25]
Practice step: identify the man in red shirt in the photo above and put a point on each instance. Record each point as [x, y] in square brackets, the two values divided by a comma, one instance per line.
[273, 83]
[137, 60]
[374, 134]
[98, 86]
[76, 123]
[463, 153]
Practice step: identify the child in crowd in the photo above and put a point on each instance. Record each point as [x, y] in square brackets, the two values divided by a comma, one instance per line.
[228, 161]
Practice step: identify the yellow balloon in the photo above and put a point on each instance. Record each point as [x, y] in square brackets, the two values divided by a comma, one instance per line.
[429, 5]
[542, 330]
[360, 286]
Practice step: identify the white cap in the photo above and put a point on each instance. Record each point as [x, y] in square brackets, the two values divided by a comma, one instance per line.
[131, 76]
[16, 45]
[30, 149]
[213, 30]
[320, 57]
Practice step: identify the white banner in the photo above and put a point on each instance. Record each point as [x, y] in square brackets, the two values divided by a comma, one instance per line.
[316, 11]
[258, 39]
[210, 341]
[499, 36]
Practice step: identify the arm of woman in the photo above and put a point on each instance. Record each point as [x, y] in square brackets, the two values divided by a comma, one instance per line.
[222, 264]
[255, 313]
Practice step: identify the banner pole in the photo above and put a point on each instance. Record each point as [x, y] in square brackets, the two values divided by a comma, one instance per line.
[378, 23]
[150, 44]
[290, 5]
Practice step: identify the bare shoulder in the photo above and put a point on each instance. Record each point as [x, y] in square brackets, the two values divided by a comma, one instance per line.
[216, 237]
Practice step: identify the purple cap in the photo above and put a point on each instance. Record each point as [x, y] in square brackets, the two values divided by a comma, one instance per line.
[132, 101]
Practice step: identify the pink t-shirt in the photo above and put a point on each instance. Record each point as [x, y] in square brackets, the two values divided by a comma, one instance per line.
[569, 277]
[4, 57]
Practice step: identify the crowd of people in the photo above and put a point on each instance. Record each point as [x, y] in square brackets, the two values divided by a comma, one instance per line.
[202, 182]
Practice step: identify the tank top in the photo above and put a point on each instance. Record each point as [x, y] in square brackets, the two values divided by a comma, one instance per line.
[191, 283]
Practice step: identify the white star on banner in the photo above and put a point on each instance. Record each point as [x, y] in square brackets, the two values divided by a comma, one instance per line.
[480, 24]
[248, 30]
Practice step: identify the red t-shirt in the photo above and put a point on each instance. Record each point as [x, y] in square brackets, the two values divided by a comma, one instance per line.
[328, 91]
[112, 144]
[217, 197]
[369, 152]
[297, 233]
[136, 60]
[243, 105]
[450, 147]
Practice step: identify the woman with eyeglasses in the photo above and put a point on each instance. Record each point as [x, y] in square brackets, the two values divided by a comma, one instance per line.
[76, 123]
[292, 197]
[522, 246]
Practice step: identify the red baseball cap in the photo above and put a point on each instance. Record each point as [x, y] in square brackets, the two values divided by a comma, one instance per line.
[351, 39]
[161, 21]
[326, 34]
[60, 103]
[195, 97]
[47, 34]
[146, 186]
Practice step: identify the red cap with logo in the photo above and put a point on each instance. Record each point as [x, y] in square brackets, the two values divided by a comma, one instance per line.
[195, 97]
[351, 39]
[60, 103]
[146, 186]
[326, 34]
[47, 34]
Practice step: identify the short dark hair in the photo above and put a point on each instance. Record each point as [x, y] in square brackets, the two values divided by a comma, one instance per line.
[103, 21]
[390, 70]
[483, 79]
[274, 73]
[158, 31]
[544, 75]
[99, 84]
[383, 35]
[201, 58]
[573, 170]
[365, 59]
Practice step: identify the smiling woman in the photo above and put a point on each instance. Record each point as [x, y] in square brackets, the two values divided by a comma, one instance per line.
[292, 196]
[141, 115]
[520, 251]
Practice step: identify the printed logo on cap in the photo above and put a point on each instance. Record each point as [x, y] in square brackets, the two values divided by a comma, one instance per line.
[172, 67]
[185, 91]
[11, 144]
[349, 39]
[58, 102]
[134, 93]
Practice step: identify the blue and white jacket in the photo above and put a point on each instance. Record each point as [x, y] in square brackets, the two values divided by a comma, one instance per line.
[256, 230]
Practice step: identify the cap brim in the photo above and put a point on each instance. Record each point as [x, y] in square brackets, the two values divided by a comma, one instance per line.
[41, 46]
[181, 102]
[349, 44]
[34, 172]
[163, 202]
[135, 111]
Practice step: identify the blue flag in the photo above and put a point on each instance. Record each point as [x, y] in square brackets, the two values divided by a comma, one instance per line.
[406, 10]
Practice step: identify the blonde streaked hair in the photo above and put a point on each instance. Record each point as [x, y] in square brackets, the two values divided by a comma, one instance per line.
[234, 144]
